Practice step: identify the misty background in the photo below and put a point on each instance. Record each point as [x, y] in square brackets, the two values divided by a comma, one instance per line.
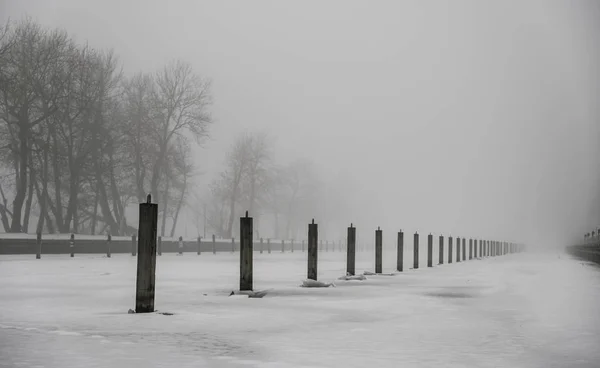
[463, 118]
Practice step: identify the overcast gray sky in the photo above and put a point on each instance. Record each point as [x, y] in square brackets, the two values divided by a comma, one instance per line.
[476, 118]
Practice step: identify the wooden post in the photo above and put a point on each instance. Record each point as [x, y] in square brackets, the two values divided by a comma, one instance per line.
[108, 240]
[475, 248]
[180, 245]
[146, 265]
[38, 242]
[470, 249]
[313, 251]
[72, 245]
[269, 245]
[429, 250]
[464, 249]
[283, 246]
[441, 250]
[133, 245]
[214, 241]
[246, 253]
[351, 254]
[400, 252]
[416, 251]
[378, 251]
[159, 247]
[292, 245]
[457, 250]
[232, 245]
[261, 245]
[450, 249]
[199, 245]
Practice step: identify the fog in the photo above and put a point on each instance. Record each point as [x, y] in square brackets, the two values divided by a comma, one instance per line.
[469, 118]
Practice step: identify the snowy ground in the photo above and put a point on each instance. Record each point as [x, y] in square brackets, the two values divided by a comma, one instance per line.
[522, 310]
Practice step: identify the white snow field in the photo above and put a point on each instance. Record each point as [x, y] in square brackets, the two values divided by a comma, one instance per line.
[520, 310]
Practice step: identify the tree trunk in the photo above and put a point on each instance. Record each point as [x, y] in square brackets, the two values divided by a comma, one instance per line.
[165, 207]
[29, 195]
[95, 213]
[21, 186]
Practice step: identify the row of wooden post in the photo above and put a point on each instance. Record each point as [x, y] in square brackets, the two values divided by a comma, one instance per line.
[148, 240]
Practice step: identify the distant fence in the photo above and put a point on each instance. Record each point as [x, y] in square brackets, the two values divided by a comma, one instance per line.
[99, 244]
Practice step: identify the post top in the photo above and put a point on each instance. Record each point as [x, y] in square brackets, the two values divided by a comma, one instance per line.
[149, 198]
[378, 228]
[351, 225]
[246, 214]
[313, 221]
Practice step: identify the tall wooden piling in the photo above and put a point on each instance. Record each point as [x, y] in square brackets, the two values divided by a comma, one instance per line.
[475, 248]
[38, 243]
[429, 250]
[351, 253]
[378, 251]
[441, 249]
[199, 245]
[180, 245]
[159, 246]
[470, 249]
[416, 251]
[72, 245]
[214, 244]
[450, 254]
[146, 265]
[313, 251]
[457, 250]
[464, 249]
[108, 241]
[246, 253]
[400, 252]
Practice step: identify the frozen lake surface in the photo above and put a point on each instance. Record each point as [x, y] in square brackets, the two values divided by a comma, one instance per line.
[521, 310]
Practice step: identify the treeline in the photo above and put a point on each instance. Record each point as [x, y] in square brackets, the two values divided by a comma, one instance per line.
[79, 140]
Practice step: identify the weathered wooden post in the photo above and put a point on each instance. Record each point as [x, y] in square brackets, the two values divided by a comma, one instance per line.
[351, 254]
[246, 249]
[313, 251]
[457, 250]
[72, 245]
[416, 251]
[475, 248]
[464, 249]
[450, 249]
[214, 243]
[429, 250]
[283, 246]
[400, 252]
[38, 243]
[180, 245]
[108, 240]
[199, 245]
[159, 247]
[470, 249]
[441, 250]
[261, 245]
[269, 245]
[146, 265]
[378, 251]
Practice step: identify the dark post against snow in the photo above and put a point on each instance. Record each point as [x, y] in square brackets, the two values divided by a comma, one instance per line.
[351, 254]
[457, 250]
[292, 245]
[108, 240]
[232, 245]
[269, 245]
[400, 252]
[180, 245]
[159, 246]
[261, 245]
[133, 245]
[146, 265]
[450, 249]
[378, 251]
[441, 250]
[38, 243]
[464, 250]
[214, 241]
[72, 244]
[429, 250]
[246, 253]
[475, 248]
[416, 251]
[199, 244]
[313, 250]
[470, 249]
[283, 246]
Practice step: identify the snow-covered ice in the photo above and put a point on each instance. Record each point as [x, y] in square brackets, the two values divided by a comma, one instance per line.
[522, 310]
